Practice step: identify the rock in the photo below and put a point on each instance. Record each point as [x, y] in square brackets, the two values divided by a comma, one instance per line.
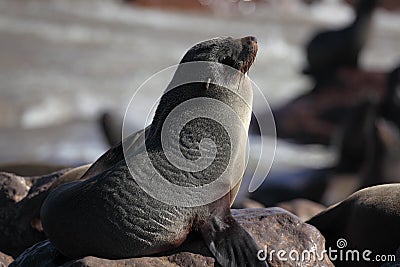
[45, 255]
[13, 188]
[303, 208]
[20, 201]
[272, 229]
[5, 260]
[277, 229]
[179, 259]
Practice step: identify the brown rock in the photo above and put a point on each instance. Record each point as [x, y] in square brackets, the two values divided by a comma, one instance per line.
[178, 259]
[278, 229]
[5, 260]
[13, 188]
[20, 201]
[273, 228]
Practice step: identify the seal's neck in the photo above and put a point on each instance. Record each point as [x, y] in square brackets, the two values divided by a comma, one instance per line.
[201, 129]
[238, 97]
[171, 100]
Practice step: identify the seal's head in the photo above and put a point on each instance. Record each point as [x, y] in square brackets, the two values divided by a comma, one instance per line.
[236, 53]
[214, 68]
[211, 70]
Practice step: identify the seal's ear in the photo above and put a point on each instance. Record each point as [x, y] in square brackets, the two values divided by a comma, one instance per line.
[230, 244]
[208, 83]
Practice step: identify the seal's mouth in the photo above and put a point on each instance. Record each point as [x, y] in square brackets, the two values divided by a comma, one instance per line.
[248, 53]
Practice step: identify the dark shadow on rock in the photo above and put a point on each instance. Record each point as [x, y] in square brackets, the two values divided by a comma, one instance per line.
[20, 201]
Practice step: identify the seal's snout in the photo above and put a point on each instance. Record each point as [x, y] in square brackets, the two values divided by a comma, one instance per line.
[250, 44]
[249, 52]
[249, 40]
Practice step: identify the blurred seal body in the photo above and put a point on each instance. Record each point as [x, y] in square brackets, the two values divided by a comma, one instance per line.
[329, 50]
[107, 214]
[368, 220]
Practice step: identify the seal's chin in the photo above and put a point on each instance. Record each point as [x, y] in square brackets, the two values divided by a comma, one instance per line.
[248, 53]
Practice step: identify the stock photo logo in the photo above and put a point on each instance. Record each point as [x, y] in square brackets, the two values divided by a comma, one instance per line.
[196, 147]
[340, 253]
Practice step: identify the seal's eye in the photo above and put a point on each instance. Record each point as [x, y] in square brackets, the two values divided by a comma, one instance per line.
[228, 61]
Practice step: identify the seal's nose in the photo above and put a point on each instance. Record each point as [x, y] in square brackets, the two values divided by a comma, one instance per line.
[248, 53]
[249, 40]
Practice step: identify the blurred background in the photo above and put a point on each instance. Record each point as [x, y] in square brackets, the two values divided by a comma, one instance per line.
[68, 69]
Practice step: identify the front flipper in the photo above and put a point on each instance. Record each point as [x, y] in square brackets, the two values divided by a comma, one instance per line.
[230, 244]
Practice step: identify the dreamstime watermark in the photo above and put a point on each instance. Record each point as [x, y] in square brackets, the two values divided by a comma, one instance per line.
[231, 112]
[340, 253]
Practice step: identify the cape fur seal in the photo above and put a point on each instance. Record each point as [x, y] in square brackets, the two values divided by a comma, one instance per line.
[329, 50]
[107, 214]
[368, 220]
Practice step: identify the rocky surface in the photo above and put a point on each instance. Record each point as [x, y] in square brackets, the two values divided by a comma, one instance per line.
[272, 228]
[20, 201]
[13, 189]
